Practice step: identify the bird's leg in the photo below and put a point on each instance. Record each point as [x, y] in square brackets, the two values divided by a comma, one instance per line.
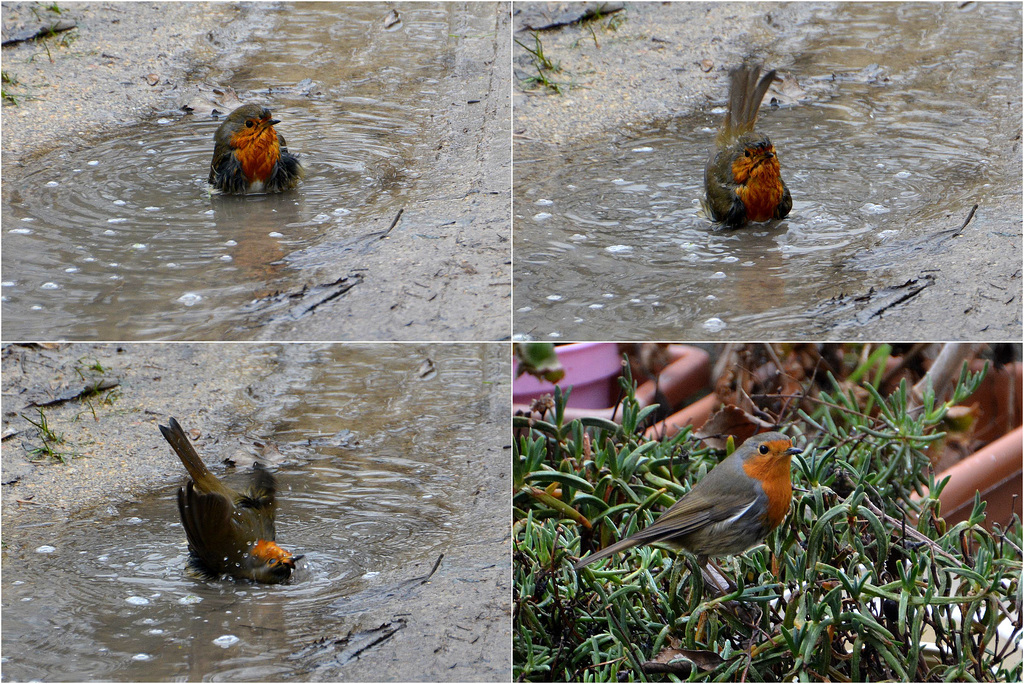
[722, 584]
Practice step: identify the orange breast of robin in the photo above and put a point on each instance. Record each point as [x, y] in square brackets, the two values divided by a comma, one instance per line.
[268, 550]
[257, 151]
[759, 184]
[772, 471]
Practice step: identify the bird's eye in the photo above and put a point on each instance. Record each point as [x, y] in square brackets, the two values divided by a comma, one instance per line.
[249, 123]
[746, 152]
[763, 449]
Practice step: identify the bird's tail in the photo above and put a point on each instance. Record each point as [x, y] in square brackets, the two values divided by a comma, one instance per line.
[197, 470]
[745, 95]
[623, 545]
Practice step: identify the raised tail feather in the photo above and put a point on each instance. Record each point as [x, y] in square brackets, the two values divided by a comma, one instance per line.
[745, 95]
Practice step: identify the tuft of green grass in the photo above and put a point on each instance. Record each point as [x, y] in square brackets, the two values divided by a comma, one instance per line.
[851, 587]
[543, 64]
[51, 442]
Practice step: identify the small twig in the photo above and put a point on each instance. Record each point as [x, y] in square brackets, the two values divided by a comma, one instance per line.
[393, 224]
[954, 233]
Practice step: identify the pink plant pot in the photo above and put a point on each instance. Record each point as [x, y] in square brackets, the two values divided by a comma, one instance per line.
[591, 368]
[688, 373]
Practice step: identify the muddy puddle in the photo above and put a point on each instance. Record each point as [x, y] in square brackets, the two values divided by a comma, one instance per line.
[123, 241]
[371, 491]
[902, 121]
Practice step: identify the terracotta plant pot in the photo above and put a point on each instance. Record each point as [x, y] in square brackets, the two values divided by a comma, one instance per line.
[995, 469]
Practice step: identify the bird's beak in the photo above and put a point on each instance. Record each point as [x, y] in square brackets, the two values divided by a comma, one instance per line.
[273, 121]
[793, 451]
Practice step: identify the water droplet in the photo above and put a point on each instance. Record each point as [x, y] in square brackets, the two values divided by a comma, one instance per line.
[714, 324]
[117, 220]
[225, 257]
[618, 249]
[543, 203]
[226, 640]
[137, 601]
[643, 149]
[541, 216]
[555, 298]
[190, 299]
[275, 234]
[46, 548]
[52, 184]
[49, 286]
[142, 657]
[94, 163]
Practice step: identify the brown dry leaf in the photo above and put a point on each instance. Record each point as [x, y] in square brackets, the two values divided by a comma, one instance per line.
[730, 420]
[705, 660]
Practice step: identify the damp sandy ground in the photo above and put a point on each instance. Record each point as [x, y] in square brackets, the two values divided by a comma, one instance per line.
[454, 628]
[126, 63]
[658, 61]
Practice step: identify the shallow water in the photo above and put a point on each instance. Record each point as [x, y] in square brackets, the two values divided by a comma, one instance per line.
[366, 494]
[123, 241]
[902, 127]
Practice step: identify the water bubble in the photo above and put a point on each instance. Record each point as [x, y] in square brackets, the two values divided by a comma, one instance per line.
[190, 299]
[46, 548]
[137, 601]
[714, 324]
[52, 184]
[226, 640]
[544, 203]
[541, 216]
[49, 286]
[618, 249]
[275, 234]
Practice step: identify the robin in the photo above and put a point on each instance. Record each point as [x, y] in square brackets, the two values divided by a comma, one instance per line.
[228, 532]
[741, 179]
[250, 156]
[735, 506]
